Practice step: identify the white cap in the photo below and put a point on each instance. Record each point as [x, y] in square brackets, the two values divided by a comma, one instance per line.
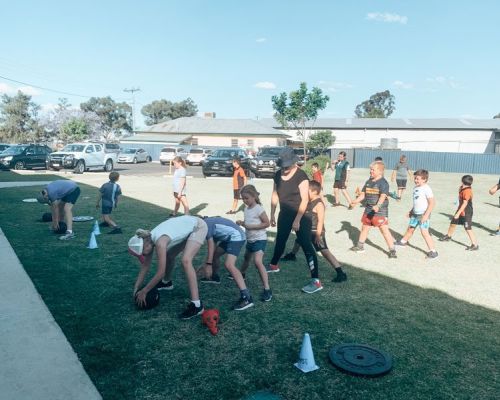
[135, 246]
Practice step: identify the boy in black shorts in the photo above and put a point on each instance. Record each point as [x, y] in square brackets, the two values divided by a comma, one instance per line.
[109, 193]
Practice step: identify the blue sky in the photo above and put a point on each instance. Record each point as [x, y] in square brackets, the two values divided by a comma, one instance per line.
[439, 59]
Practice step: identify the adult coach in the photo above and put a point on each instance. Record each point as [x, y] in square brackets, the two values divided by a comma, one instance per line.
[291, 191]
[61, 195]
[180, 234]
[341, 168]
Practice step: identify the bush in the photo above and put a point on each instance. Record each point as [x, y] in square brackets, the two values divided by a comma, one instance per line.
[322, 162]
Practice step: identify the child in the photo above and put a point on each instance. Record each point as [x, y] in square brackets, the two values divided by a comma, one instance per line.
[376, 212]
[492, 191]
[463, 215]
[423, 203]
[255, 223]
[316, 211]
[239, 180]
[341, 169]
[317, 175]
[109, 193]
[179, 186]
[401, 171]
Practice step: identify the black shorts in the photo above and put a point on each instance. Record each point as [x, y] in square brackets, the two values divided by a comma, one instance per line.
[401, 183]
[322, 244]
[236, 194]
[465, 220]
[106, 210]
[71, 197]
[339, 185]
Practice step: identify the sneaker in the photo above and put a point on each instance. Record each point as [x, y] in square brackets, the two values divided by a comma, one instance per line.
[357, 249]
[272, 268]
[472, 247]
[341, 277]
[230, 277]
[445, 238]
[289, 257]
[392, 254]
[266, 295]
[432, 254]
[214, 279]
[313, 286]
[191, 311]
[243, 303]
[165, 285]
[496, 233]
[400, 243]
[115, 231]
[104, 224]
[67, 236]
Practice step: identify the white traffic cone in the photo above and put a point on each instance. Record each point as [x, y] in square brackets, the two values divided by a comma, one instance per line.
[96, 230]
[306, 361]
[92, 242]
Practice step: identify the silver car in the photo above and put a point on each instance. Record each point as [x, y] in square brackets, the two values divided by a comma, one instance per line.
[133, 156]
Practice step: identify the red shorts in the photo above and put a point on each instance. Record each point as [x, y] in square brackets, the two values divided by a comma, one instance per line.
[374, 220]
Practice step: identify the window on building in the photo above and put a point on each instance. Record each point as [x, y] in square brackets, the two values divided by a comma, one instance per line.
[250, 143]
[194, 141]
[234, 142]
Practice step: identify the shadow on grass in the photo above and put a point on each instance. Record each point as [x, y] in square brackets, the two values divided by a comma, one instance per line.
[199, 207]
[434, 338]
[474, 224]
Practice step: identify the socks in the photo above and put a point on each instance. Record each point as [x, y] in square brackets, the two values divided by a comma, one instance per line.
[197, 303]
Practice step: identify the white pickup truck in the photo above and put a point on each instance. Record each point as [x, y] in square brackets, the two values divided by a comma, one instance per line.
[82, 157]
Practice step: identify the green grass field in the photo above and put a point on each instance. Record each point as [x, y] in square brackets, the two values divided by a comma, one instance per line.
[10, 176]
[443, 348]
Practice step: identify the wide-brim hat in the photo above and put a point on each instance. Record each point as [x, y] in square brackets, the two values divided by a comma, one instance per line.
[287, 158]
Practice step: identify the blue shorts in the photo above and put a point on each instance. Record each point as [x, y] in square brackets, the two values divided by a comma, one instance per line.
[258, 245]
[106, 210]
[232, 248]
[415, 221]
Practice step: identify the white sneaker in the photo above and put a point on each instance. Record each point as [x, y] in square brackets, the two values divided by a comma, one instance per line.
[67, 236]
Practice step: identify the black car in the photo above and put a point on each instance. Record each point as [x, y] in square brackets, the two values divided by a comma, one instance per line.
[4, 146]
[220, 162]
[265, 162]
[23, 156]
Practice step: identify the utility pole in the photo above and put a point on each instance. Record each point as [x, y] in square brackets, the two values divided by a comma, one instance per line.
[133, 90]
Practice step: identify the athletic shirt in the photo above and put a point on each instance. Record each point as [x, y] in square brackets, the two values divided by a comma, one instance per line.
[109, 193]
[224, 230]
[312, 215]
[341, 168]
[373, 190]
[176, 183]
[238, 178]
[401, 170]
[58, 189]
[317, 177]
[288, 191]
[177, 229]
[421, 196]
[252, 217]
[465, 193]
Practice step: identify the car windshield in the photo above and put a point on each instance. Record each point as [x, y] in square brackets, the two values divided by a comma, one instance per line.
[299, 151]
[225, 153]
[77, 148]
[14, 150]
[196, 151]
[167, 150]
[130, 151]
[269, 152]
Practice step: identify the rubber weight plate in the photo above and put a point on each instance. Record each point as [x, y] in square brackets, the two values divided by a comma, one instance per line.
[360, 359]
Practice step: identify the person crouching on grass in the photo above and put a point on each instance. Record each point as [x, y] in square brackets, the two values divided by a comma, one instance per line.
[420, 214]
[109, 193]
[375, 192]
[184, 234]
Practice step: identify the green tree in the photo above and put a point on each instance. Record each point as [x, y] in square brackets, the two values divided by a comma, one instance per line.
[164, 110]
[114, 117]
[320, 140]
[74, 130]
[19, 119]
[299, 109]
[380, 105]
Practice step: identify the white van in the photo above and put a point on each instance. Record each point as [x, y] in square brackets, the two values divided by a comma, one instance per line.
[167, 154]
[197, 156]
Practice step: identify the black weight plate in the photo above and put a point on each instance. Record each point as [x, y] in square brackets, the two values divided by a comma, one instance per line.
[360, 359]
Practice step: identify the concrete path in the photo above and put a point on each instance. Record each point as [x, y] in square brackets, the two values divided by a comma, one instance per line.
[18, 184]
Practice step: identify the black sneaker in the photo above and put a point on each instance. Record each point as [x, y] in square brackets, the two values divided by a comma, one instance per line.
[289, 257]
[445, 238]
[341, 277]
[357, 249]
[243, 303]
[266, 295]
[432, 254]
[215, 279]
[165, 285]
[115, 231]
[400, 243]
[191, 311]
[472, 247]
[392, 254]
[104, 224]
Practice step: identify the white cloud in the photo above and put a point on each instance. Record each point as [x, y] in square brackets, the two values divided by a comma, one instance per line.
[6, 89]
[265, 85]
[334, 86]
[444, 81]
[261, 40]
[48, 107]
[11, 90]
[403, 85]
[387, 17]
[29, 90]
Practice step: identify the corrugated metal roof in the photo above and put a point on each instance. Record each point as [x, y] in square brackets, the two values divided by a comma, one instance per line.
[396, 123]
[197, 125]
[161, 138]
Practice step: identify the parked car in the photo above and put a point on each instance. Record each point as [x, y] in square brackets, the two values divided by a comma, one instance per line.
[112, 148]
[82, 157]
[300, 153]
[23, 156]
[197, 156]
[133, 156]
[167, 154]
[265, 161]
[4, 146]
[220, 162]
